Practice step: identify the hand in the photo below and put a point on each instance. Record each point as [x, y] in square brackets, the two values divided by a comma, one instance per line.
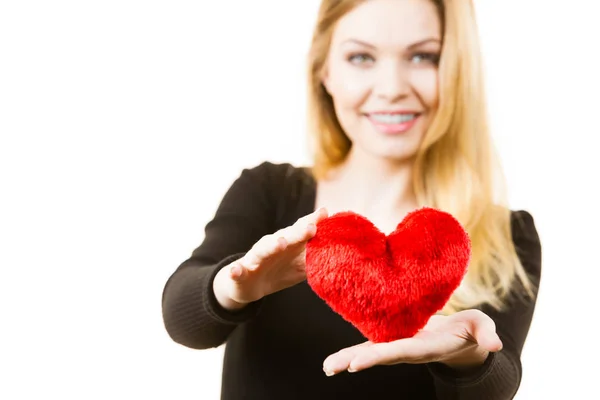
[462, 340]
[274, 263]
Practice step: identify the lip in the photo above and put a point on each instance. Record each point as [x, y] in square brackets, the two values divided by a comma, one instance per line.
[391, 129]
[393, 112]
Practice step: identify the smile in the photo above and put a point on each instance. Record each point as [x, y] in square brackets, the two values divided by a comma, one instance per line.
[393, 123]
[392, 118]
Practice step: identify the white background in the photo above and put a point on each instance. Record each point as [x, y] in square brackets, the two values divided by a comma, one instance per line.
[123, 122]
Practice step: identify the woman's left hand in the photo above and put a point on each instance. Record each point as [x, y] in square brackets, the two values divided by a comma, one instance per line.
[462, 340]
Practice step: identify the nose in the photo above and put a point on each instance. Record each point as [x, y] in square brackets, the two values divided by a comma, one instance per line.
[392, 81]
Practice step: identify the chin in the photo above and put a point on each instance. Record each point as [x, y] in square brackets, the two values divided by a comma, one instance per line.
[390, 147]
[399, 157]
[390, 155]
[401, 149]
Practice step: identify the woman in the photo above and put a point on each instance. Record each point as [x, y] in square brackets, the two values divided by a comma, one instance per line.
[397, 113]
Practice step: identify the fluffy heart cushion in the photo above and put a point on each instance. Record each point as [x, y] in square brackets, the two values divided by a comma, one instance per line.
[387, 286]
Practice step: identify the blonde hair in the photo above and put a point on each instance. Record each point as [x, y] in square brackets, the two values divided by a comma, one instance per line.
[456, 168]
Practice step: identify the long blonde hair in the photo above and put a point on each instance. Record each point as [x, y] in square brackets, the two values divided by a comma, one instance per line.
[456, 168]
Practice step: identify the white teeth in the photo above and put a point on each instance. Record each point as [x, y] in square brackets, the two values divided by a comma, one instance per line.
[392, 118]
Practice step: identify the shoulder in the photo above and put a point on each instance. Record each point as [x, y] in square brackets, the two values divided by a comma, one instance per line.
[280, 179]
[264, 183]
[523, 228]
[272, 173]
[522, 222]
[527, 241]
[288, 189]
[285, 186]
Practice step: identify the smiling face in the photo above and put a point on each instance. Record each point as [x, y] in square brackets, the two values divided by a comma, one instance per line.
[382, 74]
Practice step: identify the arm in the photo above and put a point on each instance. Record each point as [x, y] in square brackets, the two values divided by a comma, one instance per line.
[500, 376]
[191, 314]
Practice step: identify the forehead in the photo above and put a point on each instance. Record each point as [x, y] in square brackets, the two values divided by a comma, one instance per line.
[390, 22]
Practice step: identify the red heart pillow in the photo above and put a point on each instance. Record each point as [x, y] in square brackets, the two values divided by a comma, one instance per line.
[387, 286]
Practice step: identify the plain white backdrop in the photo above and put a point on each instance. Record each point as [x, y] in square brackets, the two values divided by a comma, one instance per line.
[123, 122]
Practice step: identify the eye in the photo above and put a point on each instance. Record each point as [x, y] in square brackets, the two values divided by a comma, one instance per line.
[429, 58]
[360, 58]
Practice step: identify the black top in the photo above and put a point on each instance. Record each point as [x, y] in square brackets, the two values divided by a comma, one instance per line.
[275, 347]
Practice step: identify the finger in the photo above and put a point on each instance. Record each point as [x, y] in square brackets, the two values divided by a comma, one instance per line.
[410, 350]
[300, 231]
[340, 361]
[313, 218]
[399, 351]
[264, 248]
[482, 328]
[320, 214]
[484, 332]
[237, 272]
[306, 233]
[306, 227]
[311, 229]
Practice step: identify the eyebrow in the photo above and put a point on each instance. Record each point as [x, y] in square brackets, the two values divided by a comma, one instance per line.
[416, 44]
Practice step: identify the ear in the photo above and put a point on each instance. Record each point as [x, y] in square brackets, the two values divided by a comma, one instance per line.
[325, 79]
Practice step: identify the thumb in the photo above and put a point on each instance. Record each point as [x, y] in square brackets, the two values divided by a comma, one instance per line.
[484, 332]
[237, 272]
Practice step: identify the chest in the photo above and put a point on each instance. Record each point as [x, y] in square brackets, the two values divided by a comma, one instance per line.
[382, 214]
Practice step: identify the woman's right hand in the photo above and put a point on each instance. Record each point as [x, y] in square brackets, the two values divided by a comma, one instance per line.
[274, 263]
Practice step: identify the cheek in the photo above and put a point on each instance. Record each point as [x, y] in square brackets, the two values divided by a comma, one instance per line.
[425, 84]
[350, 88]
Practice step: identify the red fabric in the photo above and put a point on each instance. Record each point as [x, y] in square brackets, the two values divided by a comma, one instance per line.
[387, 287]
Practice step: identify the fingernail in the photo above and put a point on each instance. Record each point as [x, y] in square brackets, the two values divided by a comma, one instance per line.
[328, 372]
[350, 369]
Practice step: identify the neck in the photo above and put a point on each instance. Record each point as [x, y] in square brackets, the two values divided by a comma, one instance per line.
[382, 184]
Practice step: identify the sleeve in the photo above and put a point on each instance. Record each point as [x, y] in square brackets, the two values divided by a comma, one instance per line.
[500, 376]
[191, 314]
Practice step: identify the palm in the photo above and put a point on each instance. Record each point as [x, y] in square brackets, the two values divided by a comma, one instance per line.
[279, 271]
[271, 272]
[274, 263]
[460, 339]
[442, 335]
